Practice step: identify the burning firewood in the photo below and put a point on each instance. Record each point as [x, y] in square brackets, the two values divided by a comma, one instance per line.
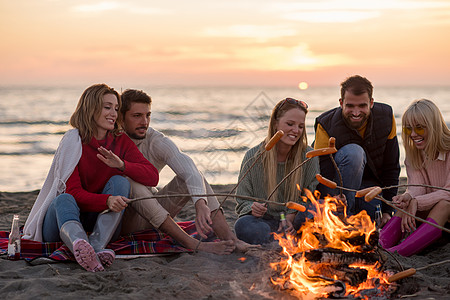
[352, 276]
[338, 257]
[332, 287]
[356, 239]
[332, 251]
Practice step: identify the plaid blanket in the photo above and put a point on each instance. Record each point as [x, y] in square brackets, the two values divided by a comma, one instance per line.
[144, 242]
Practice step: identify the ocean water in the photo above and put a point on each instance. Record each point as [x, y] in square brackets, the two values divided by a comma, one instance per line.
[213, 125]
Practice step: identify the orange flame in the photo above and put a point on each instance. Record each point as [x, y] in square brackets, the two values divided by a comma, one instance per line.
[334, 232]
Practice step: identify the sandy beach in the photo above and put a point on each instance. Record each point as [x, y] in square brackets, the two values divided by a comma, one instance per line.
[186, 275]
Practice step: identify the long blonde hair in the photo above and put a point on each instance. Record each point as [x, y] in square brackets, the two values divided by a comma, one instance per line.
[425, 113]
[294, 157]
[89, 107]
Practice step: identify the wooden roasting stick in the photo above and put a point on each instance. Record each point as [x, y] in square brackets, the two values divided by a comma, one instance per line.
[332, 143]
[198, 195]
[309, 155]
[289, 204]
[412, 271]
[372, 193]
[292, 205]
[276, 137]
[330, 150]
[363, 192]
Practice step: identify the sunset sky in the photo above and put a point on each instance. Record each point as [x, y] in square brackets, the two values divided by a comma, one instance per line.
[250, 42]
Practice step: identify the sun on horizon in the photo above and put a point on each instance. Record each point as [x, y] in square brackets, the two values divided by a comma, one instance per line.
[303, 85]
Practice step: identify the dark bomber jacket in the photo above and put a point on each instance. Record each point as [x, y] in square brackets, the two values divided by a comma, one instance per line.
[382, 153]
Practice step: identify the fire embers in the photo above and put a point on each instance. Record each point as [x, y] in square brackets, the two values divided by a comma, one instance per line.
[333, 256]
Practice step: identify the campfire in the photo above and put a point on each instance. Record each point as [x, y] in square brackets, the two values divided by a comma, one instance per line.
[334, 255]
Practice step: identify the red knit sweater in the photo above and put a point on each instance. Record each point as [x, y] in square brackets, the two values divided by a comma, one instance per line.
[91, 175]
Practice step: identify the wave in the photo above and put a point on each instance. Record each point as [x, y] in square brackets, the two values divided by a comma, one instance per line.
[209, 150]
[27, 153]
[201, 133]
[187, 151]
[207, 117]
[36, 122]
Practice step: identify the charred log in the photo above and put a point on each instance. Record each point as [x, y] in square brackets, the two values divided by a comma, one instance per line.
[334, 288]
[373, 238]
[351, 276]
[338, 257]
[321, 238]
[359, 240]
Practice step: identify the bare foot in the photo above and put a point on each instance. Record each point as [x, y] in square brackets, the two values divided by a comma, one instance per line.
[220, 248]
[242, 246]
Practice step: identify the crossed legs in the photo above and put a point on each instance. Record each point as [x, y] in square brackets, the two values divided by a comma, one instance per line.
[159, 213]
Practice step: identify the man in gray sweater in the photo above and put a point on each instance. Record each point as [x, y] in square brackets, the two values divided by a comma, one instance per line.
[159, 213]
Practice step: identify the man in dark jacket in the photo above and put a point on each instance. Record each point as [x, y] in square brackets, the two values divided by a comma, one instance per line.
[367, 144]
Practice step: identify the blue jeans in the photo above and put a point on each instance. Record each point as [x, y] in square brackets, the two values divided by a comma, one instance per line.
[64, 208]
[258, 231]
[351, 161]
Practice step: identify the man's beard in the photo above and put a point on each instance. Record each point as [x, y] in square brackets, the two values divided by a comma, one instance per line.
[137, 137]
[353, 124]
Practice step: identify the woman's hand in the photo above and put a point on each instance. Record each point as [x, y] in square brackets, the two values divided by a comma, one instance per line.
[110, 159]
[408, 222]
[402, 201]
[116, 203]
[258, 209]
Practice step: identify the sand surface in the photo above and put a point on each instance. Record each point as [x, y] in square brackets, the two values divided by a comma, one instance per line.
[187, 275]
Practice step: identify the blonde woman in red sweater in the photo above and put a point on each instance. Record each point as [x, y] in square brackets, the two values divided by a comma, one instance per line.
[87, 176]
[426, 139]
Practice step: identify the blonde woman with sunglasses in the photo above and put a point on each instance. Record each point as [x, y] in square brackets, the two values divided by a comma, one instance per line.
[426, 139]
[257, 221]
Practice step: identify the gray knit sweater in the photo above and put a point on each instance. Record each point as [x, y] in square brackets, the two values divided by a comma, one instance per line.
[253, 183]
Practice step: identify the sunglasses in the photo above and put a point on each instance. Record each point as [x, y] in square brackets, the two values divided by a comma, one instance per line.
[417, 129]
[294, 102]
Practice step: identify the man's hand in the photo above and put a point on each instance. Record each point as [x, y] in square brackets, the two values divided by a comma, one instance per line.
[110, 159]
[384, 219]
[258, 209]
[203, 218]
[116, 203]
[289, 224]
[342, 203]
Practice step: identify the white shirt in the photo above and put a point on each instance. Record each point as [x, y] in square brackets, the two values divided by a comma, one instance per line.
[161, 151]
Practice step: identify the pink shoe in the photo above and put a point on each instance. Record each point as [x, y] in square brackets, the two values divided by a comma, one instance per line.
[424, 236]
[391, 233]
[86, 257]
[106, 257]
